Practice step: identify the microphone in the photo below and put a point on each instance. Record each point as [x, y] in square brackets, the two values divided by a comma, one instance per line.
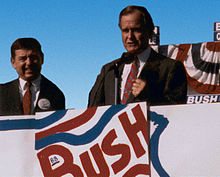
[116, 72]
[125, 58]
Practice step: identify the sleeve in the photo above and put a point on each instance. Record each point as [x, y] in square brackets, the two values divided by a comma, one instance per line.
[175, 91]
[96, 95]
[60, 101]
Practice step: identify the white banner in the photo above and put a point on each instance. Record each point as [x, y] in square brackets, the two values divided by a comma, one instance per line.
[95, 142]
[113, 141]
[101, 141]
[185, 140]
[17, 146]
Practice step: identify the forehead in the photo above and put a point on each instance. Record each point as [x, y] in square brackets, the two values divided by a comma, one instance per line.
[25, 52]
[133, 19]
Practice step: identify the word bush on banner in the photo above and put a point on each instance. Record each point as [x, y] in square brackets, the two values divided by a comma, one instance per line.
[101, 141]
[197, 99]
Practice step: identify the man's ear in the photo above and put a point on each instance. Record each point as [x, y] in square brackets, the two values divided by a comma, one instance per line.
[42, 58]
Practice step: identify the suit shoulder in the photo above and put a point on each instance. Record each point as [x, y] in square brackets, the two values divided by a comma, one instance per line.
[8, 84]
[167, 60]
[109, 64]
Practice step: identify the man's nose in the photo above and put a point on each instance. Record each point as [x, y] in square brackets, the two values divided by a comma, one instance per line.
[130, 34]
[28, 61]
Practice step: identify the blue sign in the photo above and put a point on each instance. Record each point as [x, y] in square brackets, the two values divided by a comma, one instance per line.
[217, 36]
[217, 31]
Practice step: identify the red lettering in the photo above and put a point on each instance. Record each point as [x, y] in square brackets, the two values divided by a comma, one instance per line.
[65, 168]
[47, 157]
[112, 150]
[137, 170]
[100, 161]
[132, 129]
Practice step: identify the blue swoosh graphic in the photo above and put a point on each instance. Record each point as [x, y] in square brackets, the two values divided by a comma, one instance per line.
[31, 123]
[85, 138]
[56, 116]
[162, 123]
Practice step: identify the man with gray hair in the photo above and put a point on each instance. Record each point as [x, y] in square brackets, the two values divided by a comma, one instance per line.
[143, 74]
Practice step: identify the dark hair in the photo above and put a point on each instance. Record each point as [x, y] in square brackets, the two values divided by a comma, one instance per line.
[25, 43]
[145, 15]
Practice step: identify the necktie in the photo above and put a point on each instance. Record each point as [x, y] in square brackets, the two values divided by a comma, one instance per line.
[27, 100]
[129, 82]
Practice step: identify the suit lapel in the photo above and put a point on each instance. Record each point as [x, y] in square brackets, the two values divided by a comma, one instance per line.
[151, 66]
[46, 101]
[41, 94]
[13, 98]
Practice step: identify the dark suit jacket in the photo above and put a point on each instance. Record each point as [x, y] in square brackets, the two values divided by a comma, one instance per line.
[165, 78]
[10, 103]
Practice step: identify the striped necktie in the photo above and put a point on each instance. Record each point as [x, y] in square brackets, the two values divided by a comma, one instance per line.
[27, 100]
[129, 82]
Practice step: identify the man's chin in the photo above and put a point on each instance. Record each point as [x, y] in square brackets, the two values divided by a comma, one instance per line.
[132, 51]
[30, 77]
[135, 51]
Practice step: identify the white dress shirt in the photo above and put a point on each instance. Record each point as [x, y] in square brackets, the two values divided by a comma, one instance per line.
[142, 58]
[35, 90]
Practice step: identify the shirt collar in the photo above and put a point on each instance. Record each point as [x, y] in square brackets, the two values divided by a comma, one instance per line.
[35, 83]
[127, 58]
[143, 56]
